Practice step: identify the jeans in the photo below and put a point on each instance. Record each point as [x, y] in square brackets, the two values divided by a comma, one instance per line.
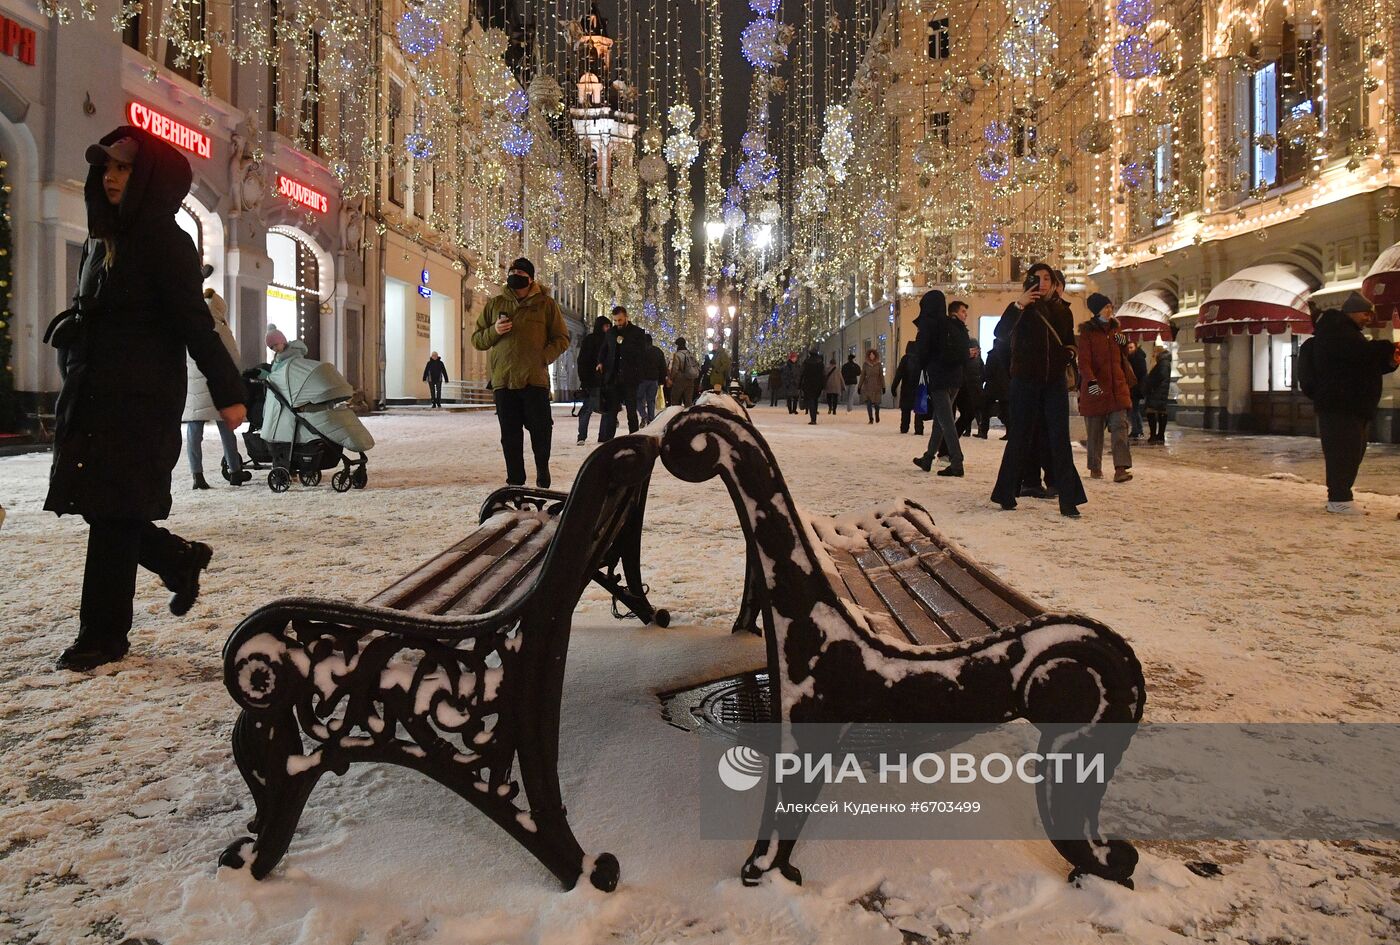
[1343, 447]
[615, 397]
[526, 408]
[1117, 423]
[1136, 417]
[940, 403]
[194, 447]
[851, 390]
[646, 401]
[116, 547]
[591, 404]
[1043, 407]
[435, 392]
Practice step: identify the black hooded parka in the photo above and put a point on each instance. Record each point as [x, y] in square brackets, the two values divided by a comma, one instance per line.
[123, 362]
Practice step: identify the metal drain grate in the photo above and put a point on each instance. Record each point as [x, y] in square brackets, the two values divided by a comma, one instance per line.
[718, 707]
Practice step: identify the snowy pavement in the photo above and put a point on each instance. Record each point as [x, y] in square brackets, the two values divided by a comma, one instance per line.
[1243, 600]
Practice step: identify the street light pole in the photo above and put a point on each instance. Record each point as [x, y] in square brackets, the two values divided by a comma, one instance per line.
[734, 340]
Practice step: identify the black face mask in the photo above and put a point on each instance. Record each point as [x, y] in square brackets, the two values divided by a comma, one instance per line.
[516, 281]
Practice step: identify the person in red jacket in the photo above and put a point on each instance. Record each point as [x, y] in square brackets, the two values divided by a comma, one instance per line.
[1105, 388]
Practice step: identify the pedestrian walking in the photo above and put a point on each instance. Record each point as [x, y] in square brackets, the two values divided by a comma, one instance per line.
[683, 372]
[872, 385]
[653, 376]
[1340, 371]
[1105, 389]
[998, 384]
[1041, 330]
[791, 381]
[975, 393]
[590, 376]
[942, 343]
[1158, 394]
[1137, 360]
[833, 386]
[904, 388]
[524, 331]
[435, 373]
[775, 385]
[199, 405]
[121, 351]
[714, 373]
[813, 380]
[624, 364]
[850, 374]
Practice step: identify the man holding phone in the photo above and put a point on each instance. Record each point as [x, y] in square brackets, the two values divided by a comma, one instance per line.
[524, 331]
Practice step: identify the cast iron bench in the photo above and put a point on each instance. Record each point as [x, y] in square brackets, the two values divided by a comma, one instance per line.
[879, 618]
[456, 671]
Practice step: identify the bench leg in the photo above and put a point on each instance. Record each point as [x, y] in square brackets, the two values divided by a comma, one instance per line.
[749, 607]
[262, 744]
[626, 552]
[1062, 691]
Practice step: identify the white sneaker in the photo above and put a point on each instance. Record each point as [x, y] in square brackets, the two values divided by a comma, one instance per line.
[1345, 508]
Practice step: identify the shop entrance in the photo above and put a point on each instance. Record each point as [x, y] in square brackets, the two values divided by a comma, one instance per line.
[293, 298]
[1276, 404]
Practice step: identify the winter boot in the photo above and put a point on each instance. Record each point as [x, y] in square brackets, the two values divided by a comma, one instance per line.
[953, 470]
[199, 482]
[80, 659]
[1121, 474]
[924, 463]
[1096, 474]
[184, 581]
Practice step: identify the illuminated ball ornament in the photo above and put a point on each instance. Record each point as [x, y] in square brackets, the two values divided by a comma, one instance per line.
[1134, 58]
[752, 141]
[757, 172]
[764, 7]
[420, 147]
[811, 192]
[762, 44]
[652, 169]
[1029, 51]
[997, 133]
[1133, 175]
[419, 34]
[993, 165]
[514, 223]
[518, 141]
[555, 244]
[517, 103]
[682, 149]
[1136, 13]
[838, 145]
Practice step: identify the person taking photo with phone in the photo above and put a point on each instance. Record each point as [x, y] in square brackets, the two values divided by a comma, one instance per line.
[523, 329]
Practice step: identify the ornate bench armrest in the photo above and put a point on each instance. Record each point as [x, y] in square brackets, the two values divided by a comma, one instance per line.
[512, 498]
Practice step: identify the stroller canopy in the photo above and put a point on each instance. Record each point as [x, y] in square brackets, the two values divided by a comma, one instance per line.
[304, 381]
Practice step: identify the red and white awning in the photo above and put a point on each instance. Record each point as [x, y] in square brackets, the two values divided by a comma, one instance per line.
[1382, 285]
[1147, 315]
[1272, 297]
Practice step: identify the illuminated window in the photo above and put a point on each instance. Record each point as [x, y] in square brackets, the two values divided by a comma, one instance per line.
[294, 297]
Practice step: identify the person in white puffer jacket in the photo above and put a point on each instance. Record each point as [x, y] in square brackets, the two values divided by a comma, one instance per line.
[199, 406]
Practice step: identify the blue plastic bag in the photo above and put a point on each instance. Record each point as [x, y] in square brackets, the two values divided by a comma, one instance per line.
[921, 400]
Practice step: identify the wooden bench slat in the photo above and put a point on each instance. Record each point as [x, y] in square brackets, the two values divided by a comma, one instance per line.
[863, 594]
[951, 614]
[445, 594]
[919, 623]
[402, 592]
[510, 579]
[996, 611]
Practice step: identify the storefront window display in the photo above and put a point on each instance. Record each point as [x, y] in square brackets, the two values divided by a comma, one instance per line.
[293, 298]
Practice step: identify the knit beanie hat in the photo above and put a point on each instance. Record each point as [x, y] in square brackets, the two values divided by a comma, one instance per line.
[1356, 302]
[1096, 302]
[275, 337]
[525, 266]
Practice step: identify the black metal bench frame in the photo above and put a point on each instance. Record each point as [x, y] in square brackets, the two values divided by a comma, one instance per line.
[1057, 670]
[472, 700]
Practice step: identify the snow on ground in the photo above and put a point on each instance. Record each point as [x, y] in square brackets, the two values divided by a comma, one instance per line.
[1243, 600]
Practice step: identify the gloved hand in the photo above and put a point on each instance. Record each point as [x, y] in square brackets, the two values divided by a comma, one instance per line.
[1094, 389]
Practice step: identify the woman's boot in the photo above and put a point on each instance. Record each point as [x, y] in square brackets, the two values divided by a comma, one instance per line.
[199, 482]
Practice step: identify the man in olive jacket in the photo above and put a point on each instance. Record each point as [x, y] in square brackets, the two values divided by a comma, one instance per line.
[524, 331]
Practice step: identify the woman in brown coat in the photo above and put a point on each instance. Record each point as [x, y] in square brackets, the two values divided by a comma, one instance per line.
[872, 385]
[1105, 389]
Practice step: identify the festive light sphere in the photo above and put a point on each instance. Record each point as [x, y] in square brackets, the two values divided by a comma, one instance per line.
[419, 35]
[419, 146]
[518, 141]
[1134, 12]
[735, 218]
[764, 7]
[555, 244]
[811, 193]
[997, 132]
[681, 116]
[1297, 128]
[757, 172]
[652, 169]
[514, 222]
[1029, 51]
[682, 149]
[993, 165]
[752, 141]
[1133, 175]
[546, 96]
[649, 309]
[1134, 58]
[994, 239]
[1095, 137]
[762, 44]
[1030, 11]
[837, 143]
[517, 103]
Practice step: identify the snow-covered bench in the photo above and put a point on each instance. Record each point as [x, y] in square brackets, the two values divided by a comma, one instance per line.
[455, 671]
[879, 618]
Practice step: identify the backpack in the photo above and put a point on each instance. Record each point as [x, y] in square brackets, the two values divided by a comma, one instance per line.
[686, 366]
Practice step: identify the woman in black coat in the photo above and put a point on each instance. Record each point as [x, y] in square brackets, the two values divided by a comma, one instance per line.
[122, 356]
[905, 389]
[813, 382]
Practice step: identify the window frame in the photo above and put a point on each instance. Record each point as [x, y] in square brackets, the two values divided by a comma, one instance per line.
[940, 39]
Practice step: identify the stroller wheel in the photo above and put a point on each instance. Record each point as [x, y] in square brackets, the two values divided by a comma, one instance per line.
[359, 478]
[279, 480]
[340, 482]
[312, 478]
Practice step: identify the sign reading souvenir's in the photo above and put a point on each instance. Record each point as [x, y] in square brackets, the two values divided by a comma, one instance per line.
[168, 129]
[297, 192]
[16, 40]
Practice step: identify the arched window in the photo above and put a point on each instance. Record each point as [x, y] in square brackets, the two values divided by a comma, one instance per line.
[294, 297]
[188, 222]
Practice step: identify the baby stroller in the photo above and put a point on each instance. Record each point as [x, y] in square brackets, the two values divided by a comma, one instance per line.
[259, 455]
[307, 427]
